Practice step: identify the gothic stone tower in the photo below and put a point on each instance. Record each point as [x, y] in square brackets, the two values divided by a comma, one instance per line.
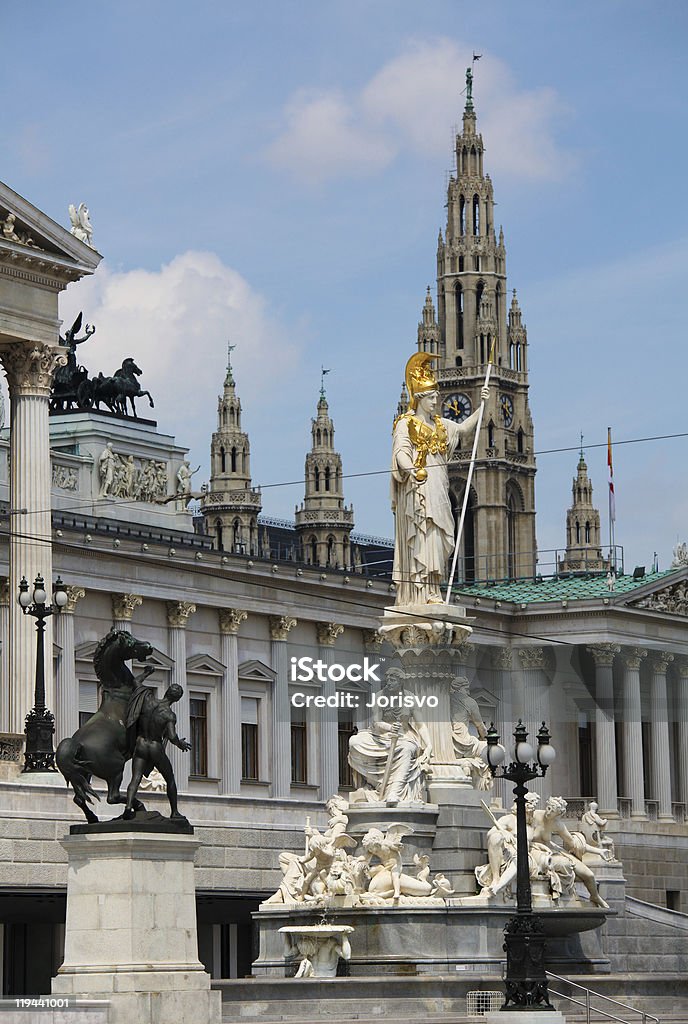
[323, 522]
[583, 551]
[499, 538]
[231, 506]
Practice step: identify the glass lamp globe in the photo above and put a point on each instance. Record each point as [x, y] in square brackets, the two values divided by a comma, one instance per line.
[60, 597]
[546, 753]
[494, 754]
[24, 595]
[524, 752]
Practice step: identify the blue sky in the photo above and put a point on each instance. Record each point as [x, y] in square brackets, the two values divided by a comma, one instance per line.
[274, 173]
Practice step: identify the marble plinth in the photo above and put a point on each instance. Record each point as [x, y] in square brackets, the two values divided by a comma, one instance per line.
[534, 1016]
[131, 934]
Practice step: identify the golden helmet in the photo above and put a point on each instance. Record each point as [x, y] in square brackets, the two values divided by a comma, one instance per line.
[419, 376]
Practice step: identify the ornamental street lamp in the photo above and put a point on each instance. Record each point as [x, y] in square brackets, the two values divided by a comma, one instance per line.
[524, 938]
[40, 723]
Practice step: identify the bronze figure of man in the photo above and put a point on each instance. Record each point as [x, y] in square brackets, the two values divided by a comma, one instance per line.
[156, 724]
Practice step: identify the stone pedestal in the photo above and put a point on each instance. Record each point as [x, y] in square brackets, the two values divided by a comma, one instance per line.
[131, 928]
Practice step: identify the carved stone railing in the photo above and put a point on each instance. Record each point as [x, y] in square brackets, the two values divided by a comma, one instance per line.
[625, 805]
[679, 812]
[652, 809]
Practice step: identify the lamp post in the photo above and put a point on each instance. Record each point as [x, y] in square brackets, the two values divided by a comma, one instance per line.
[39, 728]
[524, 938]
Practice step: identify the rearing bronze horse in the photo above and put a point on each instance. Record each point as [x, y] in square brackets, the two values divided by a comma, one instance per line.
[103, 745]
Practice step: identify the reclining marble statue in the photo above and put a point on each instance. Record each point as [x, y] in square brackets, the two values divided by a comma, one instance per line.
[393, 755]
[423, 445]
[561, 865]
[130, 722]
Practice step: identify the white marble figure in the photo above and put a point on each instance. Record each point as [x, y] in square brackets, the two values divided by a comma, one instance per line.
[387, 879]
[548, 824]
[393, 755]
[107, 465]
[184, 474]
[81, 223]
[423, 444]
[592, 828]
[467, 747]
[500, 871]
[680, 556]
[320, 947]
[9, 232]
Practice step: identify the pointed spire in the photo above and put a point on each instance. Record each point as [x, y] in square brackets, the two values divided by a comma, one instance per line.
[229, 379]
[402, 406]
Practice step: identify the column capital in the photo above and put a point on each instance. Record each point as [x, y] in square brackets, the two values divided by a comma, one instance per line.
[465, 651]
[632, 656]
[533, 658]
[29, 367]
[328, 633]
[603, 654]
[4, 590]
[179, 613]
[124, 605]
[660, 661]
[280, 625]
[372, 640]
[74, 595]
[682, 666]
[230, 620]
[502, 658]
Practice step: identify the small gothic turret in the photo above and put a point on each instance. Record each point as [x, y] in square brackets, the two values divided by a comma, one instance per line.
[231, 506]
[583, 551]
[323, 522]
[428, 328]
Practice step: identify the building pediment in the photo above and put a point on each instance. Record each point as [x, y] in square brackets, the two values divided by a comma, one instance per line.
[39, 239]
[670, 600]
[256, 672]
[157, 660]
[205, 665]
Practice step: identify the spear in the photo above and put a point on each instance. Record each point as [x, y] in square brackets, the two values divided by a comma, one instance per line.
[466, 494]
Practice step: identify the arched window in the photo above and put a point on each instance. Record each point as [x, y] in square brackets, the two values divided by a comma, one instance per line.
[462, 215]
[223, 459]
[476, 215]
[459, 361]
[218, 534]
[318, 437]
[511, 553]
[237, 534]
[347, 556]
[231, 416]
[519, 440]
[474, 160]
[314, 551]
[459, 316]
[461, 267]
[578, 532]
[587, 532]
[234, 460]
[490, 435]
[331, 551]
[327, 478]
[316, 474]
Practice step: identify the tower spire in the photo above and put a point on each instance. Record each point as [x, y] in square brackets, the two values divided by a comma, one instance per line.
[229, 379]
[583, 551]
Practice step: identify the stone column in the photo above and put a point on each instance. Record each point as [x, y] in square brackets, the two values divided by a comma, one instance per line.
[534, 662]
[605, 741]
[178, 614]
[501, 660]
[280, 625]
[66, 684]
[4, 654]
[123, 608]
[661, 751]
[682, 715]
[633, 774]
[329, 717]
[230, 620]
[29, 368]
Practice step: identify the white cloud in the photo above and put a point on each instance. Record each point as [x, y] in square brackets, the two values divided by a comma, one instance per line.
[409, 106]
[176, 323]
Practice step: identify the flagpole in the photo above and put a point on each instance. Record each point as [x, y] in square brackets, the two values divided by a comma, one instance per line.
[466, 493]
[612, 500]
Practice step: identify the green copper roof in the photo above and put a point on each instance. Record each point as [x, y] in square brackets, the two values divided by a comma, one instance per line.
[574, 588]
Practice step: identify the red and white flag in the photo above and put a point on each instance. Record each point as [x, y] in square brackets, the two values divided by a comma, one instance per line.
[612, 498]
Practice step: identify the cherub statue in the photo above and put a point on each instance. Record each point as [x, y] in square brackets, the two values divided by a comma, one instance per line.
[321, 853]
[81, 223]
[387, 879]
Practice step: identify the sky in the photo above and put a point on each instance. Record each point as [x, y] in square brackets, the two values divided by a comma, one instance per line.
[274, 174]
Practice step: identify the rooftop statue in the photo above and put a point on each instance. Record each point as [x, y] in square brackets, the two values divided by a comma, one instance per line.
[423, 444]
[81, 223]
[68, 378]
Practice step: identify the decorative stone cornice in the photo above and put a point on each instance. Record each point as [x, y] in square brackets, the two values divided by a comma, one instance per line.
[74, 595]
[603, 654]
[4, 590]
[178, 613]
[328, 633]
[502, 658]
[29, 367]
[230, 620]
[124, 605]
[280, 625]
[632, 656]
[533, 658]
[372, 640]
[660, 661]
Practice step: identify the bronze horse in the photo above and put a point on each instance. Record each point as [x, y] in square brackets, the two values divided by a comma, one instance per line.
[103, 745]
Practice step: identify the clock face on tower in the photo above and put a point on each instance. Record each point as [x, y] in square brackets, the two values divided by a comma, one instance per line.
[457, 407]
[507, 409]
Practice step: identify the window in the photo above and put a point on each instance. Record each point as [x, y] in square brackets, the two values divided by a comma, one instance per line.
[88, 701]
[249, 738]
[299, 748]
[345, 730]
[223, 459]
[198, 717]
